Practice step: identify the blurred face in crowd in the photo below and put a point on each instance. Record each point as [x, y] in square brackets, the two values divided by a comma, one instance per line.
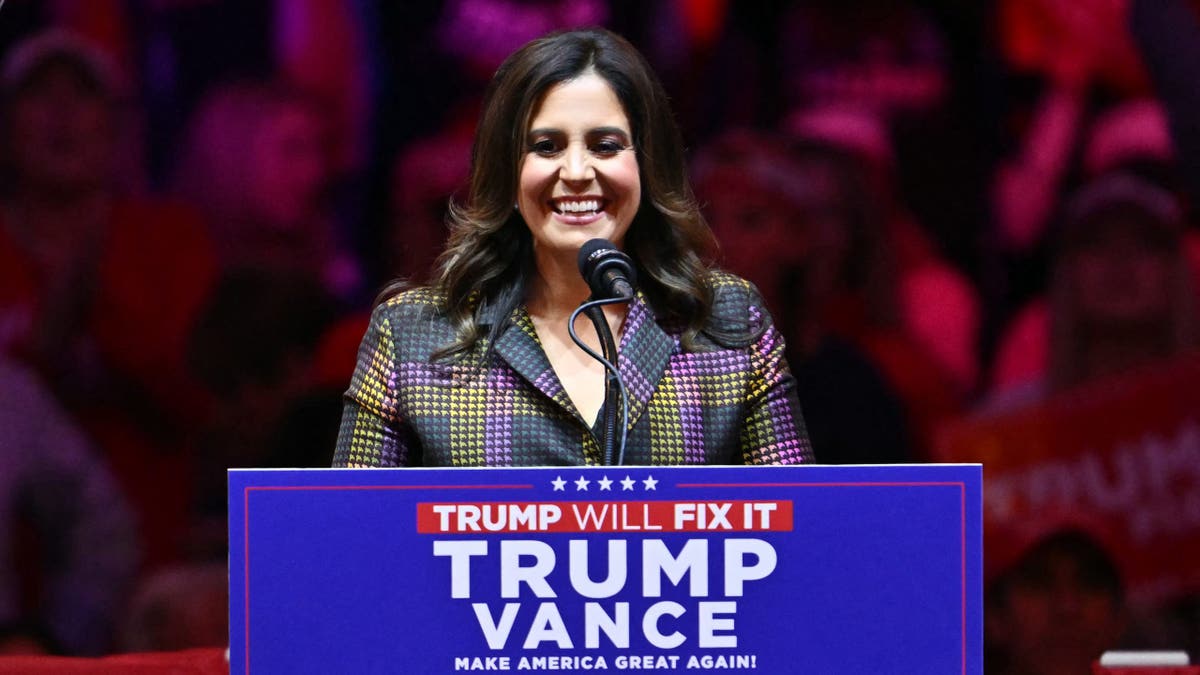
[579, 178]
[289, 166]
[1057, 615]
[426, 176]
[772, 212]
[756, 227]
[825, 219]
[61, 130]
[1122, 276]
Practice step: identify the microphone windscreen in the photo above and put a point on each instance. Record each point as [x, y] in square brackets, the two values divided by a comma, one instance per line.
[607, 271]
[591, 253]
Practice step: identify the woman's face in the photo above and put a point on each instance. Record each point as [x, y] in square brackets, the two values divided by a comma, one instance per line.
[579, 177]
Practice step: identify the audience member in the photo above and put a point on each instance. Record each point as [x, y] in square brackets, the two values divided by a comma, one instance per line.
[892, 59]
[180, 607]
[253, 347]
[801, 221]
[257, 163]
[1074, 47]
[98, 287]
[62, 514]
[1132, 138]
[426, 175]
[1122, 293]
[937, 305]
[1054, 601]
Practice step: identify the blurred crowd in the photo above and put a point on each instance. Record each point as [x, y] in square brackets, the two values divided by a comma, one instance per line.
[953, 209]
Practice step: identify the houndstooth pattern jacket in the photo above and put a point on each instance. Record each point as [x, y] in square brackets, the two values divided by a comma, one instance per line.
[717, 404]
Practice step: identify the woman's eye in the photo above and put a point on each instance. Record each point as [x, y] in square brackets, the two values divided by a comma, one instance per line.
[543, 147]
[608, 147]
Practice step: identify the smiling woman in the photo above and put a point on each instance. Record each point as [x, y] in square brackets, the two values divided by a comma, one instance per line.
[575, 142]
[580, 177]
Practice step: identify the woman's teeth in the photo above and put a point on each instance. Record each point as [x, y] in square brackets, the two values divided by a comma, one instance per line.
[588, 206]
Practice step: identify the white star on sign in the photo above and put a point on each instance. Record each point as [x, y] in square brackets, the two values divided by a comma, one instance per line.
[605, 483]
[559, 484]
[627, 484]
[581, 484]
[650, 483]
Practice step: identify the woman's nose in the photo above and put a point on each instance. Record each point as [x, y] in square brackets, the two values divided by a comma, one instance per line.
[577, 164]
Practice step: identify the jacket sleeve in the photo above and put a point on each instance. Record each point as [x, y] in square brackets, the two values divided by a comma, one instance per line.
[372, 431]
[773, 430]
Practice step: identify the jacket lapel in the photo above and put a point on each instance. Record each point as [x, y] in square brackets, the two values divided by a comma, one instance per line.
[520, 348]
[643, 356]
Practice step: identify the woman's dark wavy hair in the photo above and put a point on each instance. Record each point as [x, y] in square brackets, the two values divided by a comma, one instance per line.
[489, 257]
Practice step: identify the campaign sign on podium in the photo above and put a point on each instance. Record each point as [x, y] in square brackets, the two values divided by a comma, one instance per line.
[627, 569]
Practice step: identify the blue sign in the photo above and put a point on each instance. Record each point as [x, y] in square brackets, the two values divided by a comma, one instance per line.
[612, 569]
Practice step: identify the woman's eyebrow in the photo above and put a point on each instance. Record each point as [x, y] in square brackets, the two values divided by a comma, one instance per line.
[546, 131]
[617, 131]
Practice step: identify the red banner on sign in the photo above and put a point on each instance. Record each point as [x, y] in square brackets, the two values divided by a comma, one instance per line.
[1124, 453]
[648, 517]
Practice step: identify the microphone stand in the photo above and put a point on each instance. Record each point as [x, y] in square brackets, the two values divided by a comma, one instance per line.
[611, 387]
[614, 385]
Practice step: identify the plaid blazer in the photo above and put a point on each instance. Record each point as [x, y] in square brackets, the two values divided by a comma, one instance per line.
[717, 404]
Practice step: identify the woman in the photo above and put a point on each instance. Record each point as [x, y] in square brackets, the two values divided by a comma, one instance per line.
[575, 142]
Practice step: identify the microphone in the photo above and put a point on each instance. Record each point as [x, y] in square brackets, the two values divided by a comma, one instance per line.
[607, 271]
[609, 274]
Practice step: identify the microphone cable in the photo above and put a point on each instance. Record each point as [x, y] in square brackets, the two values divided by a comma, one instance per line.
[613, 373]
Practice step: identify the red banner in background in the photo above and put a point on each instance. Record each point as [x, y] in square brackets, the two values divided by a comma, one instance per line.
[1123, 453]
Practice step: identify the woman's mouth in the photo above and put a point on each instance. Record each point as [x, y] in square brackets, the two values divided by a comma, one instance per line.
[578, 206]
[578, 210]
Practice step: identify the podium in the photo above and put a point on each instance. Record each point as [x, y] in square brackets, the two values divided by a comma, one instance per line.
[808, 569]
